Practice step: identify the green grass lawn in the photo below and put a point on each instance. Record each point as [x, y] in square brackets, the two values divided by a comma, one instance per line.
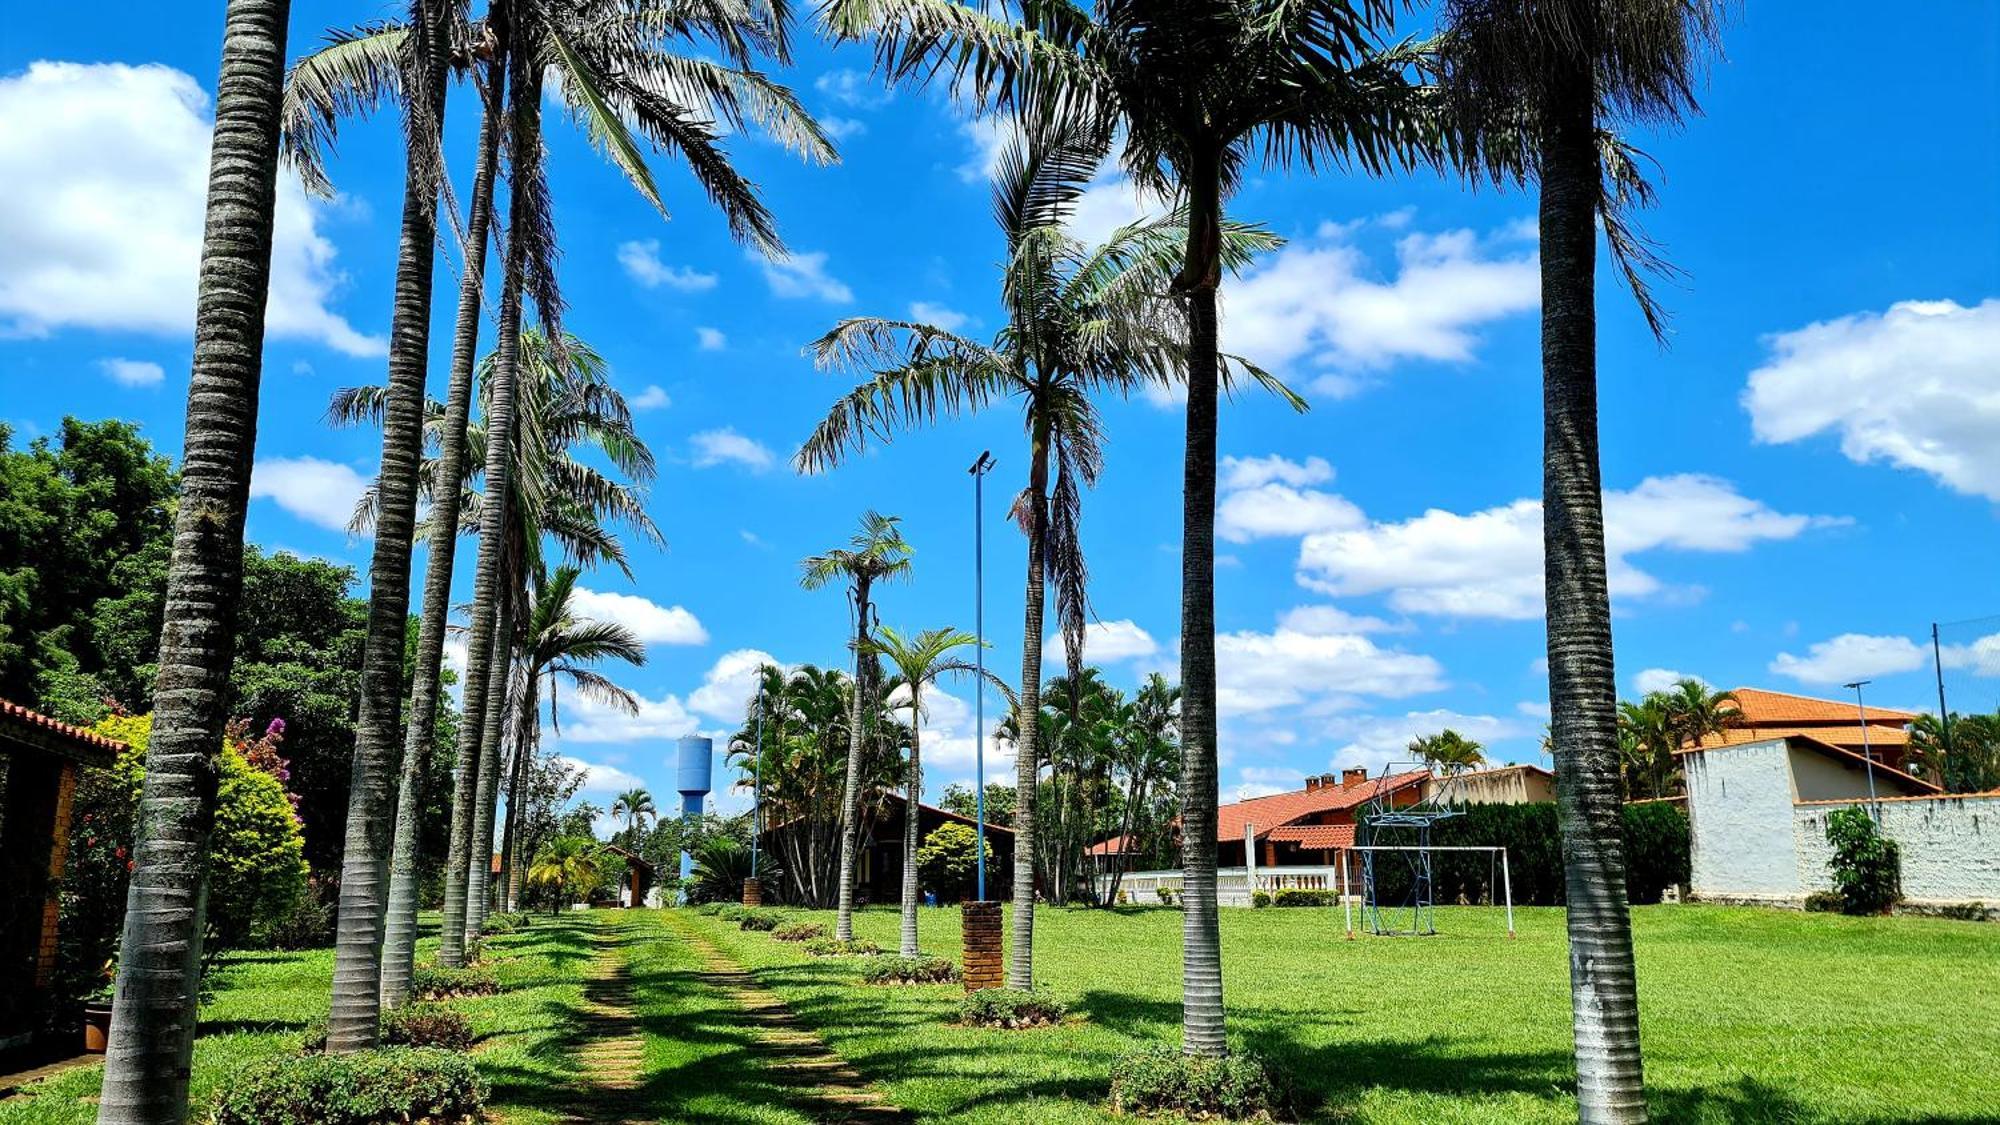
[1748, 1015]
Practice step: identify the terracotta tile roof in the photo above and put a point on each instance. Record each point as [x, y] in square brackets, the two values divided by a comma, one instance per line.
[1113, 846]
[1281, 809]
[1759, 705]
[1763, 715]
[1315, 835]
[13, 714]
[1849, 735]
[1840, 754]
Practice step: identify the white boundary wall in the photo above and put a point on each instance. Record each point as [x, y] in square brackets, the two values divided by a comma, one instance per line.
[1754, 840]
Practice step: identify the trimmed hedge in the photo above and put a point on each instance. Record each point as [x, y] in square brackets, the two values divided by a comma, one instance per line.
[436, 982]
[412, 1025]
[1159, 1079]
[829, 947]
[386, 1087]
[799, 931]
[761, 920]
[1656, 855]
[1294, 896]
[909, 970]
[1011, 1008]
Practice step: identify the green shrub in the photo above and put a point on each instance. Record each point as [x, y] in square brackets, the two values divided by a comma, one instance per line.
[732, 912]
[1294, 896]
[1865, 863]
[1260, 899]
[1166, 895]
[1011, 1008]
[909, 970]
[1657, 852]
[1159, 1079]
[436, 982]
[1825, 902]
[1965, 912]
[761, 920]
[799, 931]
[948, 861]
[385, 1087]
[503, 923]
[828, 947]
[711, 909]
[426, 1025]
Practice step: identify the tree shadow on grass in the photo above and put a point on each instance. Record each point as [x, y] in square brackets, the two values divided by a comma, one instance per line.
[247, 1026]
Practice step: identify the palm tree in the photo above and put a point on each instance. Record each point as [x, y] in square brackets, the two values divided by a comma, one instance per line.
[634, 805]
[1195, 87]
[568, 866]
[1553, 81]
[558, 647]
[1645, 744]
[918, 660]
[1697, 711]
[159, 969]
[876, 553]
[1449, 751]
[355, 1020]
[350, 76]
[1081, 321]
[1149, 752]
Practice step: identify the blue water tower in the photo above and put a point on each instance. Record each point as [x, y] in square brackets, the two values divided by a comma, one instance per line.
[693, 774]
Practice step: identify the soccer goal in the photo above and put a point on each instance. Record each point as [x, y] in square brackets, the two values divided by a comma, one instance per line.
[1413, 912]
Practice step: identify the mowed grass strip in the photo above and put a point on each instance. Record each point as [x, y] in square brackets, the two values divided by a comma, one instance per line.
[1748, 1014]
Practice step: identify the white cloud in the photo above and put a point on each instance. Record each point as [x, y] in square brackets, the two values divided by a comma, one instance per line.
[929, 312]
[852, 87]
[1917, 386]
[654, 397]
[1324, 620]
[803, 275]
[841, 128]
[1263, 672]
[1852, 656]
[642, 264]
[319, 492]
[949, 741]
[1319, 302]
[1661, 679]
[1489, 563]
[600, 780]
[586, 720]
[133, 372]
[1262, 497]
[1262, 781]
[988, 137]
[1376, 741]
[727, 688]
[710, 339]
[716, 447]
[1105, 642]
[106, 167]
[651, 622]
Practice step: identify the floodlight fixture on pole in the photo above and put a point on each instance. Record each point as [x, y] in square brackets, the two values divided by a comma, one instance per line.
[1867, 754]
[979, 469]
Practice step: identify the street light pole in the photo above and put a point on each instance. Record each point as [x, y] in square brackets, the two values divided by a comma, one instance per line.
[979, 470]
[757, 786]
[1867, 755]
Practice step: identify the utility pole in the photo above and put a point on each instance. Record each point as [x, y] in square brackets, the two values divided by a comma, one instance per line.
[979, 470]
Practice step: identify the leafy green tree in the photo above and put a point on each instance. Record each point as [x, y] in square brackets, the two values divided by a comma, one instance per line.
[948, 861]
[567, 867]
[1449, 751]
[1963, 759]
[72, 510]
[1541, 91]
[1865, 865]
[876, 553]
[958, 798]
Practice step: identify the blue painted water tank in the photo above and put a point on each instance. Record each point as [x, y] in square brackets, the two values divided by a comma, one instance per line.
[693, 774]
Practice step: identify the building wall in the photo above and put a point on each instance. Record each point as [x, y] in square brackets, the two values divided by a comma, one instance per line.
[1740, 821]
[1950, 847]
[1751, 840]
[1502, 787]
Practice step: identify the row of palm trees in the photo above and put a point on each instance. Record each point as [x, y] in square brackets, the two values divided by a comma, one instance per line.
[636, 75]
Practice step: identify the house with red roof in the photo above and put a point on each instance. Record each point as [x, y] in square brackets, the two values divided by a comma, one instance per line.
[1761, 716]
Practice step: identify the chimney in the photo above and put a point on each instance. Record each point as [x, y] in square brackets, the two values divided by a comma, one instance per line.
[1353, 777]
[1316, 781]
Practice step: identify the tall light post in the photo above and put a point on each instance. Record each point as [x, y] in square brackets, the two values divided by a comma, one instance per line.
[979, 470]
[1867, 754]
[757, 786]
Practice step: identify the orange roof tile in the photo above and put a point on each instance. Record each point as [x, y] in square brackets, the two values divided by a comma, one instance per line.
[1849, 735]
[1280, 809]
[1315, 835]
[1113, 846]
[1758, 705]
[14, 713]
[1838, 753]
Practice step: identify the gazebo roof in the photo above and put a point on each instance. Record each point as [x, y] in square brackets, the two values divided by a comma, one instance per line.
[32, 731]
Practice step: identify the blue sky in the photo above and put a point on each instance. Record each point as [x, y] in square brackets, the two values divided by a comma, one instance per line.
[1799, 485]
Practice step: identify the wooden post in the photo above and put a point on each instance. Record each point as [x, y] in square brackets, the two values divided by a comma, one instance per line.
[753, 891]
[981, 963]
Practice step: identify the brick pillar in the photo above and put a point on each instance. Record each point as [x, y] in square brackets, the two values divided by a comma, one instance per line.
[45, 959]
[753, 891]
[982, 965]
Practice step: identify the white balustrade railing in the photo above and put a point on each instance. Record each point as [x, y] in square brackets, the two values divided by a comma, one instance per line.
[1232, 884]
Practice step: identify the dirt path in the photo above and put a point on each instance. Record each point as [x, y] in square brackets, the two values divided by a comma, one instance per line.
[825, 1085]
[613, 1054]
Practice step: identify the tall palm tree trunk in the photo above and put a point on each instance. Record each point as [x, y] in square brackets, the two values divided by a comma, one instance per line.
[479, 874]
[912, 818]
[1201, 979]
[1582, 690]
[400, 931]
[1021, 957]
[356, 1017]
[850, 791]
[159, 970]
[524, 753]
